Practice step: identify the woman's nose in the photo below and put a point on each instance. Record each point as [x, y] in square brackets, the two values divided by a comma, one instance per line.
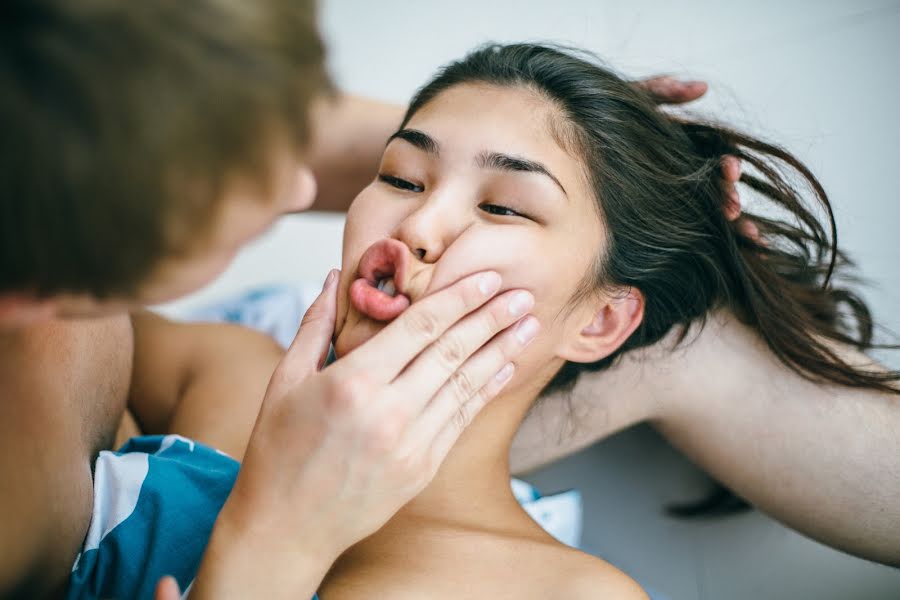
[432, 228]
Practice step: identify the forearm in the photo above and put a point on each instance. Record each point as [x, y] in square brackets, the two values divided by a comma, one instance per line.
[204, 381]
[600, 405]
[244, 561]
[349, 134]
[823, 459]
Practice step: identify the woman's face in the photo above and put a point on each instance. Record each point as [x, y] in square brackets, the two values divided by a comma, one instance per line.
[475, 181]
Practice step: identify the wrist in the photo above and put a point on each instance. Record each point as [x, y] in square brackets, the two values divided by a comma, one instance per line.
[252, 555]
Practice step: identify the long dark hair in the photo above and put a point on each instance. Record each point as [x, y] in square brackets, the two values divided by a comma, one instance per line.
[658, 184]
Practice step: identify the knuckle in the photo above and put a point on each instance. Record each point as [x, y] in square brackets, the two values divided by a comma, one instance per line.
[313, 315]
[384, 435]
[507, 349]
[316, 314]
[462, 386]
[422, 324]
[495, 319]
[461, 418]
[450, 350]
[345, 396]
[464, 414]
[501, 351]
[465, 298]
[408, 465]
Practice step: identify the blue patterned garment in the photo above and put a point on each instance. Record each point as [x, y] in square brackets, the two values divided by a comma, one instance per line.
[155, 502]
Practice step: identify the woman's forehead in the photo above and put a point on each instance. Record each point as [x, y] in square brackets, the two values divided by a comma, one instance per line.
[519, 109]
[472, 118]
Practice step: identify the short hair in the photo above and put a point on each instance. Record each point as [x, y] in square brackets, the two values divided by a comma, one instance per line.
[122, 121]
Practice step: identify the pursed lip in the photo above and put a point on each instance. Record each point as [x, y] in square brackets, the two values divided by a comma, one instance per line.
[386, 258]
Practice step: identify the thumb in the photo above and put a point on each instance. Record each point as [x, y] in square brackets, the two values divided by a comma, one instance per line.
[310, 347]
[167, 589]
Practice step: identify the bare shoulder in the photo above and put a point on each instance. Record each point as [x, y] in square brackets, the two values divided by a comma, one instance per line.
[62, 392]
[588, 577]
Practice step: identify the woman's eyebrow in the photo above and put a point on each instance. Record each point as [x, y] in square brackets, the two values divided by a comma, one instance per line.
[506, 162]
[485, 160]
[419, 139]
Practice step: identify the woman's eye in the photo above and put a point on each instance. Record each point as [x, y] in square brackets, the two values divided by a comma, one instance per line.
[400, 184]
[502, 211]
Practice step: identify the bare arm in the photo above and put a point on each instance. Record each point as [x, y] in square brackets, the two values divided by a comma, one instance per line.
[349, 134]
[823, 459]
[205, 381]
[600, 405]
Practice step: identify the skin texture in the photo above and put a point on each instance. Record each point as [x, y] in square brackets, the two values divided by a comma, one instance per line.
[335, 452]
[64, 386]
[456, 224]
[835, 479]
[819, 458]
[49, 502]
[645, 382]
[465, 534]
[203, 381]
[76, 369]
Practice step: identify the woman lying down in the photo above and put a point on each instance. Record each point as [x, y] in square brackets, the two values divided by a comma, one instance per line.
[572, 184]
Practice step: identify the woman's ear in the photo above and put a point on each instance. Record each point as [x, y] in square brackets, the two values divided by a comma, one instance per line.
[605, 327]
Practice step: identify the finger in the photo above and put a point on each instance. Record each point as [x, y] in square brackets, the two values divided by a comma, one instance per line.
[438, 366]
[669, 90]
[448, 436]
[167, 589]
[483, 374]
[310, 347]
[731, 174]
[393, 348]
[750, 230]
[732, 206]
[731, 168]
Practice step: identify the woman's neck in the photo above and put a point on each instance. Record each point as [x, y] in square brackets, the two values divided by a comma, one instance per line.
[471, 490]
[469, 503]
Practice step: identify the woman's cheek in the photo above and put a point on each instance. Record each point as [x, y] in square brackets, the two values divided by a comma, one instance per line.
[365, 225]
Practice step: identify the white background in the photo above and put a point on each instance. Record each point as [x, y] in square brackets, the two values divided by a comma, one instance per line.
[820, 77]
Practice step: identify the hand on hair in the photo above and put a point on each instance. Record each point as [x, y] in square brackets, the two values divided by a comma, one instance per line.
[669, 90]
[731, 174]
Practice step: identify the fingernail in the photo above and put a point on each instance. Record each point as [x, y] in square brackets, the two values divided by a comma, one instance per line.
[489, 283]
[505, 374]
[520, 304]
[330, 279]
[527, 329]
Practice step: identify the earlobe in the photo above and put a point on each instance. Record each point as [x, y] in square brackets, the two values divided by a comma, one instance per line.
[612, 322]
